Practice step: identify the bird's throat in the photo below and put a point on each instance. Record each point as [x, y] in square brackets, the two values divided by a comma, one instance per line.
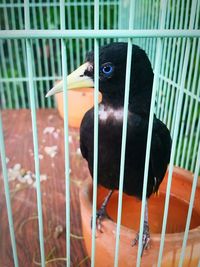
[107, 112]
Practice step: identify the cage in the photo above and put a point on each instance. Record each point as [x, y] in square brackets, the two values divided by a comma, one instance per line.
[42, 170]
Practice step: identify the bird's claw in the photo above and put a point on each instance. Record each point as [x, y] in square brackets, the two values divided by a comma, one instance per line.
[145, 238]
[100, 215]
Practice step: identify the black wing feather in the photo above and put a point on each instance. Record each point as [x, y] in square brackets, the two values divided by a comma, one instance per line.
[160, 151]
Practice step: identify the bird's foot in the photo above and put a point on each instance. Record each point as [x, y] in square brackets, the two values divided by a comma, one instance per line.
[100, 215]
[145, 238]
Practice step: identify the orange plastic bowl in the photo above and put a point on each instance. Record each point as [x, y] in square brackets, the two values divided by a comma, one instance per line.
[80, 101]
[177, 215]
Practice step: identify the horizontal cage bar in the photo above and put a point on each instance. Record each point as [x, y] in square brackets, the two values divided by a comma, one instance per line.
[92, 34]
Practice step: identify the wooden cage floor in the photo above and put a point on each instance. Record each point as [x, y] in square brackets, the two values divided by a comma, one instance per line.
[19, 149]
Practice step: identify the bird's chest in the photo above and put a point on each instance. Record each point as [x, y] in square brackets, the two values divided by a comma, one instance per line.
[109, 144]
[110, 124]
[110, 127]
[110, 115]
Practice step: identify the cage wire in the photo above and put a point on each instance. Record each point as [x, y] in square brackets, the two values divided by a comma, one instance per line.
[31, 62]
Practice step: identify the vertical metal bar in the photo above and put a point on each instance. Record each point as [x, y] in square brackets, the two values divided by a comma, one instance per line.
[135, 20]
[83, 27]
[95, 164]
[102, 20]
[108, 17]
[165, 66]
[148, 15]
[58, 57]
[52, 55]
[96, 110]
[11, 61]
[116, 13]
[194, 185]
[139, 12]
[89, 23]
[2, 90]
[116, 5]
[155, 26]
[191, 148]
[33, 66]
[77, 40]
[69, 22]
[3, 98]
[66, 131]
[17, 54]
[183, 24]
[144, 25]
[151, 39]
[192, 116]
[178, 62]
[123, 149]
[187, 104]
[169, 65]
[124, 133]
[23, 63]
[196, 144]
[174, 55]
[195, 109]
[7, 195]
[35, 136]
[5, 74]
[108, 14]
[120, 15]
[174, 143]
[148, 25]
[150, 127]
[142, 18]
[175, 135]
[39, 66]
[184, 21]
[194, 83]
[43, 42]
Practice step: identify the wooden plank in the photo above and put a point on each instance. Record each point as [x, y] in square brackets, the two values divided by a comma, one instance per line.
[19, 149]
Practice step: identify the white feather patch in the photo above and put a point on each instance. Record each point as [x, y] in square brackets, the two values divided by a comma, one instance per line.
[107, 112]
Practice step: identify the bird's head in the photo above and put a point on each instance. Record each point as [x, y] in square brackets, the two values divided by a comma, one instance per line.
[112, 73]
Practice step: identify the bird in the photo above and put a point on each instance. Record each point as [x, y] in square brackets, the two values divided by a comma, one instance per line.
[112, 73]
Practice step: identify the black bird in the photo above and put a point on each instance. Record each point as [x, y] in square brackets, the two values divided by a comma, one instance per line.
[112, 72]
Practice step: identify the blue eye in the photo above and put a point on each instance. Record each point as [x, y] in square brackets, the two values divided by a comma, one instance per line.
[107, 69]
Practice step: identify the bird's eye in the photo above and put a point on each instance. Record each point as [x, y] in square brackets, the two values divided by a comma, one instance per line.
[107, 69]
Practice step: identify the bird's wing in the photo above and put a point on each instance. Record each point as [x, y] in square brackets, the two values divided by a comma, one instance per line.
[86, 133]
[160, 151]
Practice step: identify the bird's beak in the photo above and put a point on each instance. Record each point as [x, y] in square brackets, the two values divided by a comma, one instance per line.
[75, 80]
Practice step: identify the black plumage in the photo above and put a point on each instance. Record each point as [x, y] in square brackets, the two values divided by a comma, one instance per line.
[112, 66]
[112, 88]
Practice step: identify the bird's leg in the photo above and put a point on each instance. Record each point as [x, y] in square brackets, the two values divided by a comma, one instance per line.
[146, 234]
[101, 213]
